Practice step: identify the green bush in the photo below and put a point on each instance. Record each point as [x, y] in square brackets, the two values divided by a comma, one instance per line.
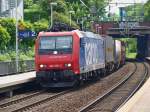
[24, 25]
[23, 56]
[41, 25]
[35, 15]
[5, 57]
[28, 3]
[4, 37]
[9, 25]
[11, 55]
[31, 53]
[60, 17]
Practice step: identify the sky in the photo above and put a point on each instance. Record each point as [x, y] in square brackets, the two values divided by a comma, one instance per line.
[114, 8]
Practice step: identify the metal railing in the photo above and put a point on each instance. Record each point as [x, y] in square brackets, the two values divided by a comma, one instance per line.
[9, 67]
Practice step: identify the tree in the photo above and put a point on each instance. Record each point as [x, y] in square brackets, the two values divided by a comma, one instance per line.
[4, 37]
[135, 12]
[147, 11]
[9, 25]
[61, 5]
[28, 3]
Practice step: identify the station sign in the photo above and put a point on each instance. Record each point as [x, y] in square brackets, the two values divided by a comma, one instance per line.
[26, 34]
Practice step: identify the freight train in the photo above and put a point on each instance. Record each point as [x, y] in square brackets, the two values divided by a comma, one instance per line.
[64, 59]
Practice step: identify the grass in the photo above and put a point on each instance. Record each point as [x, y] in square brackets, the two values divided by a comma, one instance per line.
[131, 55]
[23, 55]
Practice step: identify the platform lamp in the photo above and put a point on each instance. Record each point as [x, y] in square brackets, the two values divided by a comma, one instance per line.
[52, 4]
[17, 57]
[71, 12]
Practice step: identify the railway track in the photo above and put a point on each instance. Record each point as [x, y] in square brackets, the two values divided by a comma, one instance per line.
[120, 93]
[64, 100]
[30, 101]
[18, 100]
[73, 101]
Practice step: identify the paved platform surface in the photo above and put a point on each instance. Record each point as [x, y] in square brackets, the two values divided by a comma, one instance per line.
[140, 102]
[148, 58]
[16, 79]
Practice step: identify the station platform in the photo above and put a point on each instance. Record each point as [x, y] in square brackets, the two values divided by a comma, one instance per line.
[140, 102]
[16, 79]
[148, 59]
[9, 83]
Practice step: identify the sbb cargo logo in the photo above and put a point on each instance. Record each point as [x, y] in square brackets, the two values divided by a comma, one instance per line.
[91, 51]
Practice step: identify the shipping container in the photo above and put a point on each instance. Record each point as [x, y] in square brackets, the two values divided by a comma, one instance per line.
[92, 55]
[109, 49]
[117, 52]
[123, 53]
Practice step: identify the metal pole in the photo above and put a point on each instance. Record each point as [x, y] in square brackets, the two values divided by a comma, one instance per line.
[70, 19]
[84, 4]
[17, 37]
[51, 15]
[134, 10]
[82, 24]
[71, 12]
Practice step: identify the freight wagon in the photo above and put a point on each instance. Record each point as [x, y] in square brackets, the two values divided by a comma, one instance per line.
[123, 53]
[117, 53]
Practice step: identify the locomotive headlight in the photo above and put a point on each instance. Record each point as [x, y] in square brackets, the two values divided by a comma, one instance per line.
[68, 65]
[41, 66]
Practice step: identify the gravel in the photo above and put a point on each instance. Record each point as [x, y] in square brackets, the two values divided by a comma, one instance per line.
[74, 100]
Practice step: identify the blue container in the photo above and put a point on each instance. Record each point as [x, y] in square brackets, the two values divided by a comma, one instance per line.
[92, 55]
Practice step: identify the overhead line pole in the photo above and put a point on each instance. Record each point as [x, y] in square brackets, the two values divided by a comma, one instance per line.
[122, 3]
[70, 13]
[17, 64]
[51, 16]
[51, 5]
[85, 5]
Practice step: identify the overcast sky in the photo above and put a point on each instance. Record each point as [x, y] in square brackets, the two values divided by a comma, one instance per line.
[114, 7]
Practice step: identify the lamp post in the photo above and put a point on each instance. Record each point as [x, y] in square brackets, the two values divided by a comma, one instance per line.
[52, 4]
[16, 5]
[71, 12]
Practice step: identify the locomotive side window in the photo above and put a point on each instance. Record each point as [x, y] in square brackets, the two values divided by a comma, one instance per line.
[48, 45]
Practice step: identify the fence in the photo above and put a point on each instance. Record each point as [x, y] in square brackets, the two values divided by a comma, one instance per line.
[10, 67]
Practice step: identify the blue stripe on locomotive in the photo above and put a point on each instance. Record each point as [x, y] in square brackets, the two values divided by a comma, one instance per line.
[91, 54]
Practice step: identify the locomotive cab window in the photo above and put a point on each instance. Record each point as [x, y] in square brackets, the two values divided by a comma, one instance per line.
[57, 44]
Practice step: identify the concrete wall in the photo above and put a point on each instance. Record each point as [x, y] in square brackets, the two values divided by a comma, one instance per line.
[10, 67]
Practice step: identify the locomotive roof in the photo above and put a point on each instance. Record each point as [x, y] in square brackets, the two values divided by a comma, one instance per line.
[87, 34]
[81, 34]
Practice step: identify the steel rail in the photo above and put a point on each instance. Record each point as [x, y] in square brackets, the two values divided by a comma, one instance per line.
[137, 88]
[89, 106]
[30, 106]
[15, 101]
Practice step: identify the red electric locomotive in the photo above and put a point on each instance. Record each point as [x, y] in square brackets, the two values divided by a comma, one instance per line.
[56, 58]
